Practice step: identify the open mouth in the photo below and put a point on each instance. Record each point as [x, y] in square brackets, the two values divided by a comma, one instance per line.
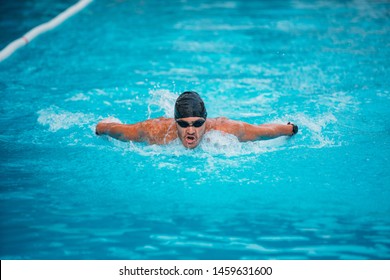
[190, 139]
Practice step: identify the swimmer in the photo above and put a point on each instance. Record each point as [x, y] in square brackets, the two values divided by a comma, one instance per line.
[189, 124]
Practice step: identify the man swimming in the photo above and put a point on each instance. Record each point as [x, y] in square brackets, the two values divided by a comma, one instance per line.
[189, 125]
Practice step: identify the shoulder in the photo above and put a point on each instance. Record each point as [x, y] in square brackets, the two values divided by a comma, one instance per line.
[158, 122]
[226, 125]
[216, 123]
[157, 126]
[159, 130]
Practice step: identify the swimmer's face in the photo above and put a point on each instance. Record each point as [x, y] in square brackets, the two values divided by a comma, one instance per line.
[190, 131]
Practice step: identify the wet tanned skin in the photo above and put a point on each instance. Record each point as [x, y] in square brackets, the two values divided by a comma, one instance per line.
[165, 130]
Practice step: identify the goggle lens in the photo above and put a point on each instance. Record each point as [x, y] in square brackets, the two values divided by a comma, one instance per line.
[185, 124]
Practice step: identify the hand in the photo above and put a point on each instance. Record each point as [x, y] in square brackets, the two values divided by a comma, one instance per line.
[294, 128]
[99, 128]
[102, 125]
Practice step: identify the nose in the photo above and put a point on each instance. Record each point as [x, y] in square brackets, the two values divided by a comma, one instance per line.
[191, 129]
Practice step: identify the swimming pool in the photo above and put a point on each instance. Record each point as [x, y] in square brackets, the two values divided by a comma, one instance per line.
[322, 194]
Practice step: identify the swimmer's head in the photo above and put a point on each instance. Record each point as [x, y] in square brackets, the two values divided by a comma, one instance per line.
[190, 116]
[190, 104]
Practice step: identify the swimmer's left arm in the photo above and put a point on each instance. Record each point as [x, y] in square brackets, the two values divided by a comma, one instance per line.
[248, 132]
[123, 132]
[268, 131]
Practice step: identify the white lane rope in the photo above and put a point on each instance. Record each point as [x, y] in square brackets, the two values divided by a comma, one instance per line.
[33, 33]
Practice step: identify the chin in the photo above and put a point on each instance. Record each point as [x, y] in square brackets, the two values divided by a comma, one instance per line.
[190, 146]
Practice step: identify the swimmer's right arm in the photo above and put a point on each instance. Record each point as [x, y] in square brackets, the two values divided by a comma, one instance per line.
[123, 132]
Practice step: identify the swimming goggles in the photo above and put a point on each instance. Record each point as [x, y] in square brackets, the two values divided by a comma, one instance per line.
[185, 124]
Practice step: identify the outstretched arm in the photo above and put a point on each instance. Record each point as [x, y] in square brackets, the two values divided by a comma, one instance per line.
[268, 131]
[153, 131]
[248, 132]
[124, 132]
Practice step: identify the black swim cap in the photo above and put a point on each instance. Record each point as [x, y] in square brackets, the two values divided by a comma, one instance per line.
[190, 104]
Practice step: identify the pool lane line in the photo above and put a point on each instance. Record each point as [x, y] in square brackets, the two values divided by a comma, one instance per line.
[36, 31]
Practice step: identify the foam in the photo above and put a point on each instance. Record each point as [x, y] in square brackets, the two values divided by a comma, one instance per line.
[311, 130]
[218, 143]
[217, 146]
[111, 120]
[57, 118]
[214, 143]
[161, 100]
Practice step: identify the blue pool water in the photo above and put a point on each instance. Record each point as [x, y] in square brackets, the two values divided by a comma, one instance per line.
[322, 194]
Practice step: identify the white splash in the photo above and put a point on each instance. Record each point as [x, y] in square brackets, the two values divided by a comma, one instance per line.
[57, 118]
[161, 101]
[312, 131]
[110, 120]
